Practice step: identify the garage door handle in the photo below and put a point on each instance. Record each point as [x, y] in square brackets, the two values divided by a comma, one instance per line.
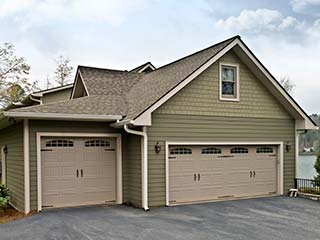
[254, 174]
[194, 177]
[81, 173]
[77, 172]
[250, 174]
[198, 176]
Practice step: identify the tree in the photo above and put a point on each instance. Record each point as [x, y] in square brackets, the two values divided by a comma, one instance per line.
[63, 71]
[287, 84]
[13, 75]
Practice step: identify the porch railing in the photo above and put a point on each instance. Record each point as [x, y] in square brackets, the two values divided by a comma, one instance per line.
[307, 185]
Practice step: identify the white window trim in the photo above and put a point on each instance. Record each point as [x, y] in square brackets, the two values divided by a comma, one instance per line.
[63, 134]
[237, 84]
[280, 158]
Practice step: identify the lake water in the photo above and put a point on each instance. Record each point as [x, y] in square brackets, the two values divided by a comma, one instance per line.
[305, 167]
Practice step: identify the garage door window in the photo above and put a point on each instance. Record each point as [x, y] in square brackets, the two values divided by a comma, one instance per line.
[211, 150]
[59, 143]
[97, 143]
[264, 150]
[180, 151]
[239, 150]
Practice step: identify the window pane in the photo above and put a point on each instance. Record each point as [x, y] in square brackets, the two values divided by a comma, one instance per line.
[228, 74]
[227, 88]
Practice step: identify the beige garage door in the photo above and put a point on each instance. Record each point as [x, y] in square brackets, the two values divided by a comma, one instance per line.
[201, 173]
[78, 171]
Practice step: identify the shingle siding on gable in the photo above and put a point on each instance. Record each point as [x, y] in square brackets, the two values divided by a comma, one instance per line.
[196, 114]
[201, 96]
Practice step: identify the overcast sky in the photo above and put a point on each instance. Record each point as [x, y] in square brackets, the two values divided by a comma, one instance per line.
[121, 34]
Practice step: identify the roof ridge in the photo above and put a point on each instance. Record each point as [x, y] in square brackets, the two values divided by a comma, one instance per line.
[53, 88]
[199, 51]
[100, 68]
[141, 66]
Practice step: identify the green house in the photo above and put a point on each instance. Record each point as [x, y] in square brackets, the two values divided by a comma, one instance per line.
[214, 125]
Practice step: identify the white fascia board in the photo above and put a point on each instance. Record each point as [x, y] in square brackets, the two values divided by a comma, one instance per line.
[145, 118]
[146, 66]
[61, 116]
[40, 94]
[78, 76]
[119, 124]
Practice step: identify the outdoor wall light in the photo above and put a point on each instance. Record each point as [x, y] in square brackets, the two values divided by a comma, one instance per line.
[288, 147]
[5, 149]
[157, 147]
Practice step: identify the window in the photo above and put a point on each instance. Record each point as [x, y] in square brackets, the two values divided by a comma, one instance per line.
[229, 82]
[59, 143]
[239, 150]
[97, 143]
[180, 151]
[210, 150]
[264, 150]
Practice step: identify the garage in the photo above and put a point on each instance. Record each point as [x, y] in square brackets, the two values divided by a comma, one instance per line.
[78, 171]
[214, 172]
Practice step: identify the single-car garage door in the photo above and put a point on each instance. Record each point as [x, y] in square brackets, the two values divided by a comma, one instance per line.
[201, 173]
[78, 171]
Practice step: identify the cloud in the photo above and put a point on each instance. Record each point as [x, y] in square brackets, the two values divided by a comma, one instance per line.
[29, 13]
[310, 7]
[258, 21]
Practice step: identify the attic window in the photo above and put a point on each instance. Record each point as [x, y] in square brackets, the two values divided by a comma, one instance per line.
[229, 82]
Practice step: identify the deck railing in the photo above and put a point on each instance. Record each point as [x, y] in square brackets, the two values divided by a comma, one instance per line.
[307, 185]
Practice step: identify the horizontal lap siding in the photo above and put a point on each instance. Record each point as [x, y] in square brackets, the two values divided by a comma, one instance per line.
[132, 153]
[61, 126]
[13, 137]
[166, 127]
[195, 113]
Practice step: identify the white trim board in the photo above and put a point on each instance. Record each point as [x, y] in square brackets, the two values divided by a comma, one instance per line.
[40, 94]
[78, 75]
[280, 159]
[26, 166]
[39, 135]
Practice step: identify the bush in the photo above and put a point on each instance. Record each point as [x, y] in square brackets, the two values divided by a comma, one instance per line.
[4, 196]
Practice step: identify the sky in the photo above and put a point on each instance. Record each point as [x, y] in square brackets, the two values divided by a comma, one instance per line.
[122, 34]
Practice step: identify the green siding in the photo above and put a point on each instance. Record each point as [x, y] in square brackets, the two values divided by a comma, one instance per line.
[13, 137]
[59, 126]
[196, 114]
[201, 96]
[132, 154]
[57, 96]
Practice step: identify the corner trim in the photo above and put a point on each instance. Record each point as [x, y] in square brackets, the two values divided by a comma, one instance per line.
[26, 166]
[280, 158]
[39, 135]
[3, 166]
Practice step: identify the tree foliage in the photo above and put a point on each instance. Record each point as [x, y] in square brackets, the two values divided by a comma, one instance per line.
[287, 84]
[4, 196]
[63, 71]
[14, 70]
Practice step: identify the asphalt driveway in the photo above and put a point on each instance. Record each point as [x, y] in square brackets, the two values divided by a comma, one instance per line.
[264, 218]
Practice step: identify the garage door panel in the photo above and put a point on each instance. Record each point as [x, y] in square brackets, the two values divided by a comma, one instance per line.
[77, 171]
[224, 171]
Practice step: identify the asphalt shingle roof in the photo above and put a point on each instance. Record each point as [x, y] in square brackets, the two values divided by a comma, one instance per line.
[116, 92]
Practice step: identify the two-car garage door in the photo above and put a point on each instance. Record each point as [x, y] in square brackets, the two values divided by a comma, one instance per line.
[78, 171]
[201, 173]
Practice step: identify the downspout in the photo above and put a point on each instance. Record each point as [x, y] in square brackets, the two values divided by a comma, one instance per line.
[144, 164]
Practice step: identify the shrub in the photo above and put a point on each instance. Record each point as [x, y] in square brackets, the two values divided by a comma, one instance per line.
[4, 196]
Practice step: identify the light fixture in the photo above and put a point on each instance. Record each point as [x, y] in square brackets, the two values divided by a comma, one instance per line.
[288, 147]
[5, 149]
[157, 147]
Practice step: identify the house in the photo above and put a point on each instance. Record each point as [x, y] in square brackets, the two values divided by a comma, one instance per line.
[212, 125]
